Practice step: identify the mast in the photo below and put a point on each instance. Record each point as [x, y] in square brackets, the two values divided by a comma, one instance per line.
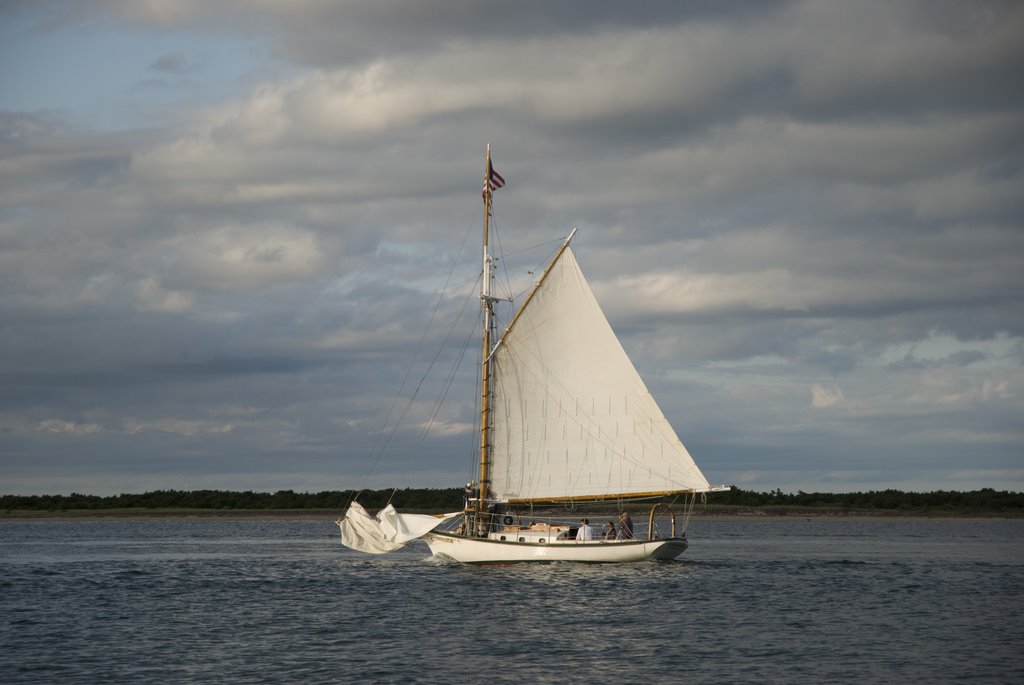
[485, 375]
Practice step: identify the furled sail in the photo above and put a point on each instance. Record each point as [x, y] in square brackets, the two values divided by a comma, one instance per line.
[386, 532]
[572, 419]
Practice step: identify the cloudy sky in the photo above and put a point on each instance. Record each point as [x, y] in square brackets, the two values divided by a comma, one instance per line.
[235, 235]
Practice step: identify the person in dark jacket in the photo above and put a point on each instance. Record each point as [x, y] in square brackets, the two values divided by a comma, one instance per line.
[625, 527]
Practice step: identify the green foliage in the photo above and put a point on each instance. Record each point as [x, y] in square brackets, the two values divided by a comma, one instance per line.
[420, 498]
[986, 500]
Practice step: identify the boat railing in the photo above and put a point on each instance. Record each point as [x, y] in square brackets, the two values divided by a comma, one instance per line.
[659, 524]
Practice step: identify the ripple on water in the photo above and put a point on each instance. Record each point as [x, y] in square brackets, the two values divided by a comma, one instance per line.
[236, 602]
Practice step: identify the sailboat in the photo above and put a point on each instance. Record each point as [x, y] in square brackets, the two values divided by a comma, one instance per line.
[566, 423]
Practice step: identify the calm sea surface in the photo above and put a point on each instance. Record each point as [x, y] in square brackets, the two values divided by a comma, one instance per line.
[280, 601]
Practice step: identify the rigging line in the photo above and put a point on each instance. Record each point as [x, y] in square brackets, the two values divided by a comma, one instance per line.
[501, 252]
[526, 293]
[539, 268]
[558, 242]
[408, 372]
[500, 323]
[446, 386]
[541, 265]
[423, 378]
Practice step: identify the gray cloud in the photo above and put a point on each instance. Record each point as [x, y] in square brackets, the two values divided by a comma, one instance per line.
[174, 63]
[804, 218]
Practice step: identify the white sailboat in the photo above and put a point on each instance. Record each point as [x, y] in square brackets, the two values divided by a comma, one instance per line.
[566, 421]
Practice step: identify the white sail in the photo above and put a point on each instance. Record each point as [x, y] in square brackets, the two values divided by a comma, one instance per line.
[572, 419]
[386, 532]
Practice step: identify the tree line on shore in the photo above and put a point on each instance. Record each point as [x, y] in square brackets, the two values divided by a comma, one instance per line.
[984, 500]
[450, 499]
[409, 498]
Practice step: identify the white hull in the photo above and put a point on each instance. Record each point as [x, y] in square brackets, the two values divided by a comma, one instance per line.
[487, 551]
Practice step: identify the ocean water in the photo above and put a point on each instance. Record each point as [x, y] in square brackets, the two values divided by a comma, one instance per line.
[280, 601]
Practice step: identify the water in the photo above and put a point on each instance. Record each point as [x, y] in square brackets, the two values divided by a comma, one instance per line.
[280, 601]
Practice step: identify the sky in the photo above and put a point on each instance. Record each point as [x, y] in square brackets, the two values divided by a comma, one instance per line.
[239, 240]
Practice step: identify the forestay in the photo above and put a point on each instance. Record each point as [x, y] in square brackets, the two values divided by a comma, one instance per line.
[386, 532]
[572, 417]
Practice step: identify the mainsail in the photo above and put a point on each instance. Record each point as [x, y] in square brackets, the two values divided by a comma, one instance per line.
[572, 419]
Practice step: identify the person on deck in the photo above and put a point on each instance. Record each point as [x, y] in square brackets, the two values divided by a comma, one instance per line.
[585, 532]
[609, 531]
[625, 527]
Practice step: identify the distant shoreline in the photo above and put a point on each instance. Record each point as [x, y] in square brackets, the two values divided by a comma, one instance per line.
[789, 511]
[737, 503]
[713, 512]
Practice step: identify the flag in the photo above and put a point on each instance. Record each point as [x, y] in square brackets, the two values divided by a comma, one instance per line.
[496, 180]
[493, 182]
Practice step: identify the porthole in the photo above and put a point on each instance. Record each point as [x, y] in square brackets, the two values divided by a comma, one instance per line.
[502, 538]
[542, 541]
[522, 539]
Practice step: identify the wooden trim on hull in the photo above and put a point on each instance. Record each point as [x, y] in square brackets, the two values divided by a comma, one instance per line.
[485, 551]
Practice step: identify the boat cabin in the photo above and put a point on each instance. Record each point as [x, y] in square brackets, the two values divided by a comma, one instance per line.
[537, 532]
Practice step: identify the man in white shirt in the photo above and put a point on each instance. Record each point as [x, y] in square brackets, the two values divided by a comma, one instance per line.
[585, 532]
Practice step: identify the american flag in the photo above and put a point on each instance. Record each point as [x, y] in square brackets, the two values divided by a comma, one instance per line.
[493, 182]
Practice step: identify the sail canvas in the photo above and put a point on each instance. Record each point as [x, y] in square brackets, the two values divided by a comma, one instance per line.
[572, 419]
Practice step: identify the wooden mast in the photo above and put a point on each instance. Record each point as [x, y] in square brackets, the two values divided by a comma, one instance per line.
[485, 374]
